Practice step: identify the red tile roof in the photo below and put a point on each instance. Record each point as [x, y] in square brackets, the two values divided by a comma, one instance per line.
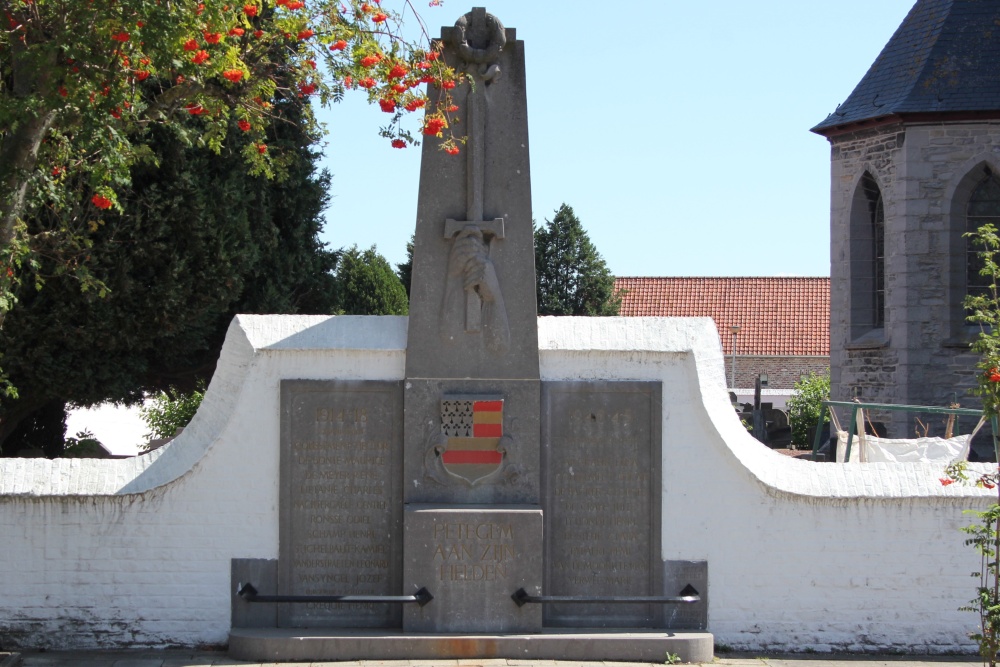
[777, 316]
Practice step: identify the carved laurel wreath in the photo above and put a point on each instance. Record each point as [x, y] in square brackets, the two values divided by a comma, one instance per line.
[498, 39]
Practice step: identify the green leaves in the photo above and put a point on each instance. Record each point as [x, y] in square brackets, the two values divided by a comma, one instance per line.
[984, 309]
[572, 277]
[170, 410]
[101, 73]
[805, 406]
[197, 240]
[986, 541]
[367, 285]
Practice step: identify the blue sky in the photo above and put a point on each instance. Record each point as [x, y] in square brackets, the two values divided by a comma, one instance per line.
[677, 131]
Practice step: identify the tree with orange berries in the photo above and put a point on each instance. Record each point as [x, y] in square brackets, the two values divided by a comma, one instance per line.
[83, 80]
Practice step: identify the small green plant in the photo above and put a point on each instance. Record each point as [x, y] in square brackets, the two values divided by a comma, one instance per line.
[672, 658]
[806, 405]
[985, 538]
[82, 446]
[171, 410]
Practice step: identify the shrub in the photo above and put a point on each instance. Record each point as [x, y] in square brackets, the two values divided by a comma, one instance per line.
[805, 406]
[83, 446]
[171, 410]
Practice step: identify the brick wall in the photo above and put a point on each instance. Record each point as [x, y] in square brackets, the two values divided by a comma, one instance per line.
[782, 372]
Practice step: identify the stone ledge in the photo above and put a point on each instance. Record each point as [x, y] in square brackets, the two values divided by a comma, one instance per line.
[876, 339]
[295, 644]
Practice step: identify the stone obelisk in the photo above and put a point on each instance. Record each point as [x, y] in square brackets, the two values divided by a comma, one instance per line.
[472, 520]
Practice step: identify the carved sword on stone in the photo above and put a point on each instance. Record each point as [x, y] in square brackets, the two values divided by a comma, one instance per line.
[476, 110]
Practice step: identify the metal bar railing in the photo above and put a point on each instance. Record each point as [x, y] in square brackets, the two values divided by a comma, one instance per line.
[686, 596]
[421, 597]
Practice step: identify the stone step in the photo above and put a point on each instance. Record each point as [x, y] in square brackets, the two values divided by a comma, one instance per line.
[295, 644]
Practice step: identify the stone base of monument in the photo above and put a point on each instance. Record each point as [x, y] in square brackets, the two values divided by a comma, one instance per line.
[294, 644]
[473, 557]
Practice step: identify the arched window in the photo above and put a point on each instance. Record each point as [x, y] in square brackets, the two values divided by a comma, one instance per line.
[984, 207]
[867, 258]
[876, 217]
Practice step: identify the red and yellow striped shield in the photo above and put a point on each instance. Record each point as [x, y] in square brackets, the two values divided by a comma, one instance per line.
[473, 426]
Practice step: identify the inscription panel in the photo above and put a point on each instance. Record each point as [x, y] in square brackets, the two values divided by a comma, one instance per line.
[601, 499]
[341, 506]
[471, 558]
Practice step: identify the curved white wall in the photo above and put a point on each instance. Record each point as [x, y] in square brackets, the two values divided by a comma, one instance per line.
[801, 555]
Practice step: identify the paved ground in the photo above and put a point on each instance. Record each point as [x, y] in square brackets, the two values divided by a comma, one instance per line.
[191, 658]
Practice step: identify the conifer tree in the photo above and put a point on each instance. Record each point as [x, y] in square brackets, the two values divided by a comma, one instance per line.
[367, 285]
[405, 269]
[572, 277]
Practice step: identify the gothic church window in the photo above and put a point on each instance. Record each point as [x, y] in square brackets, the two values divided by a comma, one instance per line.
[984, 208]
[876, 213]
[867, 258]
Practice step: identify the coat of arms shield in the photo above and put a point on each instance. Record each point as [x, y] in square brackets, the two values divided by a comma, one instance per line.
[473, 427]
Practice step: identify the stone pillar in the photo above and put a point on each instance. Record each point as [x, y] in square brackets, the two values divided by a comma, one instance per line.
[472, 520]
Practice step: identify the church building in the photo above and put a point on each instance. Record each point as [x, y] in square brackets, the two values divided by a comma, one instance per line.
[915, 164]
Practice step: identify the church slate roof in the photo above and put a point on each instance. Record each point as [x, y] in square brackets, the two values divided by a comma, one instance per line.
[778, 316]
[943, 59]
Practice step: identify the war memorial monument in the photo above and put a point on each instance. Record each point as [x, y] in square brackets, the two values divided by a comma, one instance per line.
[475, 481]
[523, 512]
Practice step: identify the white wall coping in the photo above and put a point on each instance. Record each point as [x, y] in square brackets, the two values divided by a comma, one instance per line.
[585, 339]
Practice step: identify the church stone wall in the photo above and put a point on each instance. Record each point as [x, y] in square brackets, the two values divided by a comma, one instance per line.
[854, 353]
[939, 158]
[921, 356]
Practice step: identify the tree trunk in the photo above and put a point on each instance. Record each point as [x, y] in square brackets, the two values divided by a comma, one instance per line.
[14, 414]
[20, 144]
[18, 158]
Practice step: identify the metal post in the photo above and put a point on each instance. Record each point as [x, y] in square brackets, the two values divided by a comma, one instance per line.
[850, 432]
[734, 329]
[818, 437]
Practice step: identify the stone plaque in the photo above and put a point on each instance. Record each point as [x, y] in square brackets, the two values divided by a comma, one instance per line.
[472, 558]
[601, 497]
[341, 506]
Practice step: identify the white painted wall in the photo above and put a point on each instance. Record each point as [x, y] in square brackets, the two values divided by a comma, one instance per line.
[822, 556]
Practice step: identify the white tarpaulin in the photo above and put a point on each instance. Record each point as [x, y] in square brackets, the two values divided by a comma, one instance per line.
[872, 449]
